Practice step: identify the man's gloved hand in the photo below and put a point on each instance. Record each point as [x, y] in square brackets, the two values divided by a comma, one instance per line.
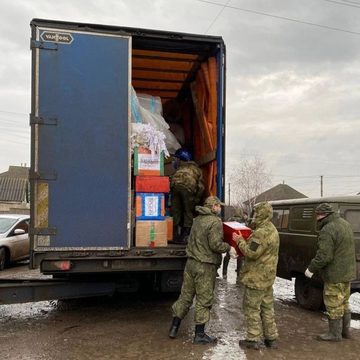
[308, 273]
[233, 254]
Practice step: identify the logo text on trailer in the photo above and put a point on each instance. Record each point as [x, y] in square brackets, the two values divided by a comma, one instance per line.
[52, 36]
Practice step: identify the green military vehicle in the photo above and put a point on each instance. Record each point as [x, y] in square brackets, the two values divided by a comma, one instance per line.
[296, 222]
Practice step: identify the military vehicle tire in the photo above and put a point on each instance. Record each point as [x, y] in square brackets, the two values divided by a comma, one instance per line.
[308, 294]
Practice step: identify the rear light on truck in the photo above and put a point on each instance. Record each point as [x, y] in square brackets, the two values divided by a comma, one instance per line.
[63, 265]
[60, 265]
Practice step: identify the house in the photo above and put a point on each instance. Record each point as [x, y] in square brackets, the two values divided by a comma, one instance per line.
[14, 190]
[278, 192]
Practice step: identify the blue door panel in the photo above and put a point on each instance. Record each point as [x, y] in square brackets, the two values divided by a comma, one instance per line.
[85, 86]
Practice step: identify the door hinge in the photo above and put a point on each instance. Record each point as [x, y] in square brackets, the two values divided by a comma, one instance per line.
[43, 231]
[36, 44]
[39, 120]
[36, 175]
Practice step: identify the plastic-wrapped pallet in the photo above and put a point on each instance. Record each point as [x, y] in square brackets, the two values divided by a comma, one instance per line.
[147, 109]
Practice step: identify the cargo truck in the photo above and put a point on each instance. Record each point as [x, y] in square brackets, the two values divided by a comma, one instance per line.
[82, 193]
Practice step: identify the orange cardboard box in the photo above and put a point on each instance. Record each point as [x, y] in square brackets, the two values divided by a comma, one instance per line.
[151, 233]
[150, 206]
[148, 164]
[152, 184]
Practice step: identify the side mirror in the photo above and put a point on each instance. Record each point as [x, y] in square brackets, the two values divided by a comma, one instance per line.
[19, 231]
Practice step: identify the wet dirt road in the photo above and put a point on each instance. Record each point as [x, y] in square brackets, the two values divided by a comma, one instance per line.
[136, 326]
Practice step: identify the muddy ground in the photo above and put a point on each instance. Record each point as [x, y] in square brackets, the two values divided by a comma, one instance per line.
[135, 327]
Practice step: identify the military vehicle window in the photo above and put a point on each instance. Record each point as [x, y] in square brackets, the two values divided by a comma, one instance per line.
[353, 217]
[302, 219]
[277, 216]
[285, 219]
[280, 218]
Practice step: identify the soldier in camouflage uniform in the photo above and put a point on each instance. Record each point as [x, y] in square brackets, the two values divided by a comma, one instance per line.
[258, 275]
[335, 262]
[187, 187]
[238, 216]
[204, 251]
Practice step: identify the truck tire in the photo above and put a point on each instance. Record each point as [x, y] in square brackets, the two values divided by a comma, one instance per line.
[308, 294]
[3, 259]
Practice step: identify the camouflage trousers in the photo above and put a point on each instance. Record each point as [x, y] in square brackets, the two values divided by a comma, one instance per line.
[198, 282]
[182, 206]
[258, 306]
[336, 299]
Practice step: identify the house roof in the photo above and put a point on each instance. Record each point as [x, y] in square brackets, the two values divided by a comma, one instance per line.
[278, 192]
[14, 184]
[16, 172]
[13, 189]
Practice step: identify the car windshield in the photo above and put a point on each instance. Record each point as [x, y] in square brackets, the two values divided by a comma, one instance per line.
[6, 224]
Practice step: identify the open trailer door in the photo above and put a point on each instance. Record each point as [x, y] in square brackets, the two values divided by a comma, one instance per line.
[80, 153]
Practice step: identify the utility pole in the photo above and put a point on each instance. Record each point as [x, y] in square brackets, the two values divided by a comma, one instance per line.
[229, 194]
[321, 185]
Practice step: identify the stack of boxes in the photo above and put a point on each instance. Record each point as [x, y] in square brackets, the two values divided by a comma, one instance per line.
[151, 186]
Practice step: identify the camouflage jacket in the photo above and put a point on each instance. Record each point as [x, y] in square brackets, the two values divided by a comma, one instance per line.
[190, 177]
[335, 257]
[261, 252]
[205, 243]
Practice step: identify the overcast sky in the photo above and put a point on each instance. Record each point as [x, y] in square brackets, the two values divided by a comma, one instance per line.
[293, 78]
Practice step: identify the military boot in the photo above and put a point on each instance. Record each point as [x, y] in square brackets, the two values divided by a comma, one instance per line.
[174, 327]
[346, 325]
[335, 329]
[271, 344]
[249, 344]
[201, 337]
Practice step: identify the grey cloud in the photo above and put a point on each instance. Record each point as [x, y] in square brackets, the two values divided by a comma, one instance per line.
[292, 89]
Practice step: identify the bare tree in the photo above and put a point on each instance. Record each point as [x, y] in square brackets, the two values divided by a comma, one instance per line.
[248, 180]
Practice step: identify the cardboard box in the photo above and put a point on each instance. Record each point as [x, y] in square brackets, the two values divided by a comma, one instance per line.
[148, 164]
[231, 227]
[150, 206]
[152, 184]
[151, 233]
[170, 227]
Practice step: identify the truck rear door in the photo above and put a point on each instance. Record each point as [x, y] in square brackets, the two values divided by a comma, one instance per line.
[80, 157]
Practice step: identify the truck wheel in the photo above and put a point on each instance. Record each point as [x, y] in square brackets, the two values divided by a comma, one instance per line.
[3, 259]
[308, 294]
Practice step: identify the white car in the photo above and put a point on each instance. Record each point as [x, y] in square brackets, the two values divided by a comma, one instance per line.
[14, 238]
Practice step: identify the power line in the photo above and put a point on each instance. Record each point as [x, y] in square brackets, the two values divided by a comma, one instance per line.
[351, 2]
[216, 17]
[343, 4]
[12, 112]
[282, 17]
[314, 176]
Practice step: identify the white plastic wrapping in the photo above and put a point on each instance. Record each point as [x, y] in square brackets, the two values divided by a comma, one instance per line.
[141, 112]
[147, 136]
[151, 103]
